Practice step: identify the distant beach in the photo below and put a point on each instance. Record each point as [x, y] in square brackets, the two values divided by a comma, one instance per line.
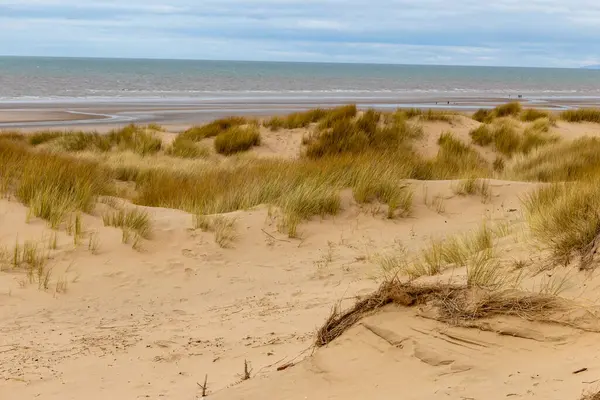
[50, 92]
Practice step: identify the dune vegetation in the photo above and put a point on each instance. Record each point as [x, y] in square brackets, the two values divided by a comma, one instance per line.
[462, 220]
[370, 153]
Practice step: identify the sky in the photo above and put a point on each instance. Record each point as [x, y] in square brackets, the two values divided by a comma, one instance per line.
[545, 33]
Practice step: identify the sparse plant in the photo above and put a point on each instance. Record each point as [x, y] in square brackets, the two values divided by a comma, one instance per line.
[93, 243]
[247, 371]
[61, 285]
[134, 219]
[484, 271]
[53, 241]
[224, 228]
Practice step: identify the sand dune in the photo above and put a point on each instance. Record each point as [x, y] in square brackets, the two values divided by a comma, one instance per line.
[116, 321]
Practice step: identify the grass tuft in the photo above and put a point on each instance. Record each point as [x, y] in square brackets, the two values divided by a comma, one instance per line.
[237, 139]
[296, 120]
[564, 218]
[133, 220]
[508, 110]
[224, 228]
[197, 133]
[186, 148]
[532, 114]
[581, 115]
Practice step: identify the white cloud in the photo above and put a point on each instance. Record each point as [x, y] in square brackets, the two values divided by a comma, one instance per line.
[506, 32]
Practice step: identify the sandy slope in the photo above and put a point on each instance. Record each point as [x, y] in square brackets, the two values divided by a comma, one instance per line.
[396, 354]
[152, 323]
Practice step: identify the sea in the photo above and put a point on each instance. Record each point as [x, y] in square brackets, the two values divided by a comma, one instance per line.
[37, 79]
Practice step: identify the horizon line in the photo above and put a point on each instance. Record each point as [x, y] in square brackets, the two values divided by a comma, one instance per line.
[588, 67]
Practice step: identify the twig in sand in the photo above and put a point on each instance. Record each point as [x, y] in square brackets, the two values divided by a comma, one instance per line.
[273, 237]
[205, 386]
[247, 371]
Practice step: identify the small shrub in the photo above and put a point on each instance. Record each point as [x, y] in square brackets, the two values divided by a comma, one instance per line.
[80, 141]
[581, 115]
[237, 139]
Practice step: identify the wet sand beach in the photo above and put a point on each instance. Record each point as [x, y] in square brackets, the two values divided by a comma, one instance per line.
[97, 114]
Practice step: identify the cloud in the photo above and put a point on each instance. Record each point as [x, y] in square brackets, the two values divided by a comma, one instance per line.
[472, 32]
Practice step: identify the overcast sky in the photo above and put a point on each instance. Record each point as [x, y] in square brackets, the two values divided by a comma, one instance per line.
[561, 33]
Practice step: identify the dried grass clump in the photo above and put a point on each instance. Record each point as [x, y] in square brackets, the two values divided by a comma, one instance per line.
[504, 110]
[559, 162]
[12, 135]
[52, 185]
[506, 138]
[359, 135]
[455, 159]
[430, 115]
[42, 137]
[507, 110]
[237, 139]
[197, 133]
[482, 135]
[483, 115]
[581, 115]
[455, 304]
[565, 219]
[296, 120]
[138, 139]
[532, 114]
[337, 114]
[186, 148]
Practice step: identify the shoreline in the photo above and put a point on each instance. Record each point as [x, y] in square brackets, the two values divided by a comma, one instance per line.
[115, 112]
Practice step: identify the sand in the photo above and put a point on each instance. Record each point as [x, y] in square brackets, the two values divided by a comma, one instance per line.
[153, 323]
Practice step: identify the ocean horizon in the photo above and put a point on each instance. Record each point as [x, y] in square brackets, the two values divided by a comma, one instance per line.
[55, 79]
